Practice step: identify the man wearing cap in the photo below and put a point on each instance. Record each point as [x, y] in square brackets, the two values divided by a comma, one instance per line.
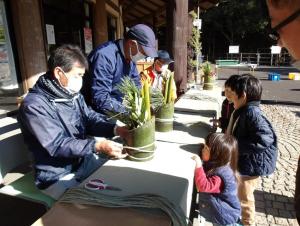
[112, 61]
[285, 23]
[157, 72]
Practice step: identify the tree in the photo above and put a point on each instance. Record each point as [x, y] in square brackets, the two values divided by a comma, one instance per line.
[194, 46]
[232, 22]
[235, 18]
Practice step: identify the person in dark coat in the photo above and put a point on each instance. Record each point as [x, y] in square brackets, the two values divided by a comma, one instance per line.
[256, 138]
[112, 61]
[59, 128]
[227, 106]
[285, 22]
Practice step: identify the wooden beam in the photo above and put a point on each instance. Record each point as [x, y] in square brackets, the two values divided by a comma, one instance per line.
[146, 16]
[146, 7]
[130, 17]
[155, 4]
[136, 13]
[29, 40]
[131, 5]
[146, 11]
[111, 4]
[177, 30]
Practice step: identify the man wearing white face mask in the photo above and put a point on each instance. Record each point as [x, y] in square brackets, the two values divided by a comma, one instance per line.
[112, 61]
[285, 23]
[157, 72]
[58, 126]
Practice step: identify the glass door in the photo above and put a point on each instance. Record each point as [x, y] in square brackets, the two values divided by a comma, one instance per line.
[8, 78]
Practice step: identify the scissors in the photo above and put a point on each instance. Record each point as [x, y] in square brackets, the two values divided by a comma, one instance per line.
[98, 184]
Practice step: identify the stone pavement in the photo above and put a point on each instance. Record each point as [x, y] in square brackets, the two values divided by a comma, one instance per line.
[274, 197]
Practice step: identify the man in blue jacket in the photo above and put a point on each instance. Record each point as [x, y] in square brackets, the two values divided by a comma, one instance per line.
[112, 61]
[56, 122]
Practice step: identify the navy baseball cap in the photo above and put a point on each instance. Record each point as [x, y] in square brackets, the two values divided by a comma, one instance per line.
[145, 37]
[164, 56]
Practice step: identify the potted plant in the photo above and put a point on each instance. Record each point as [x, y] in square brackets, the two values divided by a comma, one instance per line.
[164, 115]
[209, 76]
[140, 144]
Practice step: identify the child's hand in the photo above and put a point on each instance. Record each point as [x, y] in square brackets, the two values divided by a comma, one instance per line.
[215, 122]
[198, 161]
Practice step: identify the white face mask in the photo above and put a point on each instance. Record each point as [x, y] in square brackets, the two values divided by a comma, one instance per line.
[74, 83]
[164, 68]
[137, 56]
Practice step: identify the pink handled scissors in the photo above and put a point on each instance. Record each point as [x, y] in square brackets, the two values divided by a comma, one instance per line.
[98, 184]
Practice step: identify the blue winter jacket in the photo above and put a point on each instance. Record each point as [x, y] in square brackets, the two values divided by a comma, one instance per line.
[56, 130]
[222, 208]
[257, 141]
[107, 67]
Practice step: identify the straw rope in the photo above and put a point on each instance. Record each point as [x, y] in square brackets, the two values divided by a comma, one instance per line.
[164, 119]
[140, 149]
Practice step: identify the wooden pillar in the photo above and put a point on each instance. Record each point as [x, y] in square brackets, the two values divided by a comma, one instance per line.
[29, 36]
[177, 30]
[100, 23]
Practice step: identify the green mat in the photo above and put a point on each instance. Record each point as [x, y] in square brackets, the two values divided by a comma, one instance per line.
[25, 188]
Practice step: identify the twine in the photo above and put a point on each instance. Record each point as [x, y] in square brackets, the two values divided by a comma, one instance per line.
[140, 149]
[164, 119]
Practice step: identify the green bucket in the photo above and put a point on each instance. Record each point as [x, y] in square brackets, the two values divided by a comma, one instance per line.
[164, 118]
[141, 142]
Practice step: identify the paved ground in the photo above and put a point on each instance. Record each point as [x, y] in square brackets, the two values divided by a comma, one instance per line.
[274, 198]
[284, 91]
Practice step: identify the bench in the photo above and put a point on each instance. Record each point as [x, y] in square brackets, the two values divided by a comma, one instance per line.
[16, 175]
[235, 64]
[221, 63]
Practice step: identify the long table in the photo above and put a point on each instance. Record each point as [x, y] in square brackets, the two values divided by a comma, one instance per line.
[169, 174]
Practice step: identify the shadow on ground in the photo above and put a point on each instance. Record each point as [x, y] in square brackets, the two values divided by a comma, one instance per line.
[199, 129]
[19, 212]
[297, 113]
[274, 204]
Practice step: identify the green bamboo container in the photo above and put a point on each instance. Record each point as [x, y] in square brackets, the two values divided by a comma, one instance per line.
[142, 142]
[164, 118]
[208, 83]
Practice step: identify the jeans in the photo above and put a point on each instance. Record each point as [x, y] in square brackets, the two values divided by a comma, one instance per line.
[90, 163]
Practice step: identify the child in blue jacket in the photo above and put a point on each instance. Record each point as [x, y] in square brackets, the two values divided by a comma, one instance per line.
[216, 182]
[256, 138]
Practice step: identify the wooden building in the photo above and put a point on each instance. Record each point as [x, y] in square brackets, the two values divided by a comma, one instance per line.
[30, 28]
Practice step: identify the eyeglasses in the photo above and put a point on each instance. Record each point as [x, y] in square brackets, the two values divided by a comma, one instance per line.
[274, 34]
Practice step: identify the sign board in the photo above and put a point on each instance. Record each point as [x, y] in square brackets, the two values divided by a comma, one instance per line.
[197, 23]
[234, 49]
[275, 49]
[50, 34]
[88, 40]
